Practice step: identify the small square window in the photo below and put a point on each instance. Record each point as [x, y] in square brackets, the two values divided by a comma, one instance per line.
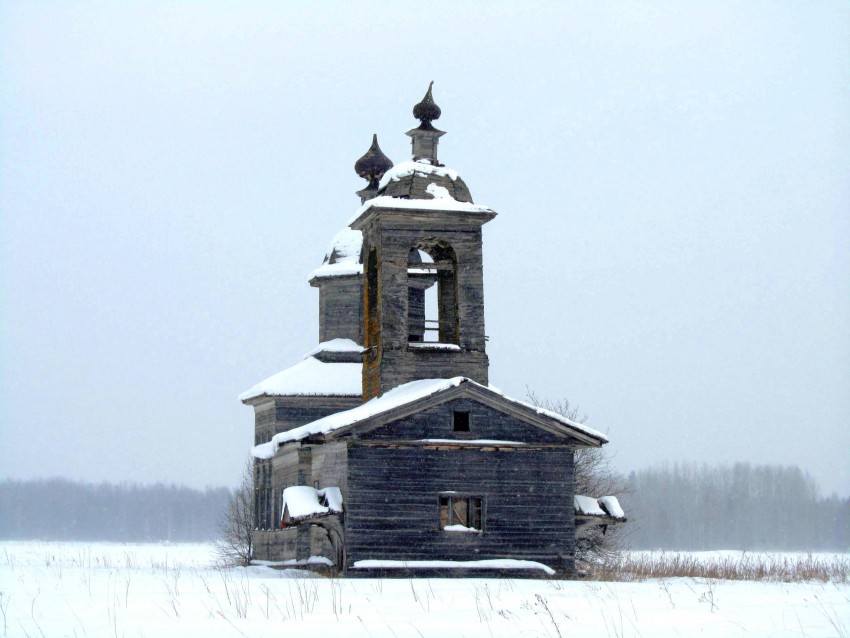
[461, 513]
[460, 421]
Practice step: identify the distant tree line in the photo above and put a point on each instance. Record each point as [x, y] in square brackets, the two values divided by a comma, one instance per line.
[740, 506]
[60, 509]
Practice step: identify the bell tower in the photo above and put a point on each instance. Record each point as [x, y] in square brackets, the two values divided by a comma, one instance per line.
[423, 284]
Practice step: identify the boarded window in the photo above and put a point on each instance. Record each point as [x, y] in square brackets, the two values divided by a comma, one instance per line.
[461, 512]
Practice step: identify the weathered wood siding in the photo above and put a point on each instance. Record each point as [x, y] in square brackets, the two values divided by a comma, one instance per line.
[330, 466]
[280, 544]
[300, 542]
[341, 308]
[484, 423]
[280, 414]
[392, 235]
[392, 510]
[292, 412]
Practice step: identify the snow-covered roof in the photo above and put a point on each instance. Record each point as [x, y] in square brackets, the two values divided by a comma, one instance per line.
[343, 256]
[301, 501]
[587, 506]
[402, 395]
[384, 201]
[611, 505]
[409, 167]
[602, 507]
[336, 345]
[312, 377]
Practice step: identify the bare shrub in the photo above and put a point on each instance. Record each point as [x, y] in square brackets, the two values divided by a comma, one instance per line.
[236, 524]
[595, 477]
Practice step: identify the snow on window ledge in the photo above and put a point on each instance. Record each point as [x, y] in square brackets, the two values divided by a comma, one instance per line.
[433, 345]
[461, 528]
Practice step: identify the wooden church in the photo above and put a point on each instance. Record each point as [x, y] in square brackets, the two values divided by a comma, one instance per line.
[385, 451]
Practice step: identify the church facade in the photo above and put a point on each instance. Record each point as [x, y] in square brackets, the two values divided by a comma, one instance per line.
[385, 451]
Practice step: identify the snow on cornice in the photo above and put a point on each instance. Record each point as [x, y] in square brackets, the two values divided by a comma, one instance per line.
[385, 201]
[336, 270]
[336, 345]
[474, 442]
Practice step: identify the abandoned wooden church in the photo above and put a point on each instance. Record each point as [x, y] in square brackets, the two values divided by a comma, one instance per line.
[385, 450]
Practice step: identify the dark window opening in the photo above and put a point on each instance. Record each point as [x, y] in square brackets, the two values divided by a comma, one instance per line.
[263, 506]
[461, 513]
[460, 421]
[432, 313]
[372, 331]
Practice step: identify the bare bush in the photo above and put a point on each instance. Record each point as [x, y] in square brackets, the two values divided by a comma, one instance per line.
[595, 477]
[236, 525]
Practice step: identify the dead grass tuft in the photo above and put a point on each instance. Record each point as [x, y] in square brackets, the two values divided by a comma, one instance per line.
[745, 566]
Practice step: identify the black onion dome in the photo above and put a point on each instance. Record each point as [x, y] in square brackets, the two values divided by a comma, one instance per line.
[427, 110]
[374, 163]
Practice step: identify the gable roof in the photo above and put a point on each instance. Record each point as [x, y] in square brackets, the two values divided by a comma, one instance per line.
[415, 396]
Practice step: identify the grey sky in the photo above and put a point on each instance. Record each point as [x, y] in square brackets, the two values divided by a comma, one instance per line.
[672, 251]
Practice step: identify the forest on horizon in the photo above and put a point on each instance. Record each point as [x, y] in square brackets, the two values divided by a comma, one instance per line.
[671, 507]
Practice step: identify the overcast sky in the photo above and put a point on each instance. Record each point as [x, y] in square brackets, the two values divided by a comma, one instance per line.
[671, 254]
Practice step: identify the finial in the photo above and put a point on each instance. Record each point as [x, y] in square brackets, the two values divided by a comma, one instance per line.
[427, 110]
[374, 163]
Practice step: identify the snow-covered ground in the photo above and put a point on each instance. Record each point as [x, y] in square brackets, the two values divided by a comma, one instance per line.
[102, 589]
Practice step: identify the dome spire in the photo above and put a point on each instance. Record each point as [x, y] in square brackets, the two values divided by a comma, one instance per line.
[427, 110]
[372, 166]
[425, 136]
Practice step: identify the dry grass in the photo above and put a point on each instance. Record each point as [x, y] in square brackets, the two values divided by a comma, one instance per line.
[765, 567]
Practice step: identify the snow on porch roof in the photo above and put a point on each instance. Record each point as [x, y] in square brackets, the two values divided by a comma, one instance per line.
[402, 395]
[312, 377]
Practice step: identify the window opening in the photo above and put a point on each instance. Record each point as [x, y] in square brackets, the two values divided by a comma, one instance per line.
[460, 421]
[432, 294]
[371, 298]
[263, 496]
[461, 513]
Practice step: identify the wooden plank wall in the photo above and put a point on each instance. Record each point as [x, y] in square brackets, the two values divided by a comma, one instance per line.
[393, 506]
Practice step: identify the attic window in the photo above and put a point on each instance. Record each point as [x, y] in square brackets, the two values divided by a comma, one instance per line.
[461, 513]
[460, 421]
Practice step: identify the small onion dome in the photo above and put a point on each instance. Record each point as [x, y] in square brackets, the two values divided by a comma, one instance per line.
[374, 163]
[427, 110]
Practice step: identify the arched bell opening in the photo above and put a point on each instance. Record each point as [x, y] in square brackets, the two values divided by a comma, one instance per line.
[432, 315]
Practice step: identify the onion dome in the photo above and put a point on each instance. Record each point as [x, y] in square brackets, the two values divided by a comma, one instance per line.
[427, 110]
[372, 167]
[374, 163]
[424, 138]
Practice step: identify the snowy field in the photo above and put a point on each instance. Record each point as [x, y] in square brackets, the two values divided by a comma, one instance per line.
[102, 589]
